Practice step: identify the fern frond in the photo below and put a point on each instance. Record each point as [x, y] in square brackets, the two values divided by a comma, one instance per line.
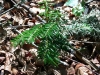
[49, 48]
[80, 29]
[29, 36]
[84, 27]
[49, 33]
[49, 29]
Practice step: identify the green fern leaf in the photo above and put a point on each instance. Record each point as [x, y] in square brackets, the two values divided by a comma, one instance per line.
[49, 29]
[30, 35]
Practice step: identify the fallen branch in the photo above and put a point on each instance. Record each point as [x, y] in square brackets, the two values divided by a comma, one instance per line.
[12, 27]
[83, 59]
[10, 9]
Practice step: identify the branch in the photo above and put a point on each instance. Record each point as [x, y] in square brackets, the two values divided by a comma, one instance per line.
[12, 27]
[2, 72]
[10, 9]
[83, 59]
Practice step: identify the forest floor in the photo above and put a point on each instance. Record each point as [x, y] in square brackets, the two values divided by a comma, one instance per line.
[22, 60]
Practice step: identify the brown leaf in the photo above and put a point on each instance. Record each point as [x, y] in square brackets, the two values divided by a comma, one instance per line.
[71, 71]
[81, 69]
[56, 72]
[79, 65]
[84, 71]
[14, 71]
[27, 46]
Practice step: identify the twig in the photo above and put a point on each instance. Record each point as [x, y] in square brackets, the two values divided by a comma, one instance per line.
[84, 41]
[12, 27]
[94, 49]
[28, 9]
[34, 45]
[10, 9]
[40, 19]
[64, 63]
[13, 1]
[89, 1]
[2, 72]
[85, 66]
[83, 59]
[16, 30]
[7, 11]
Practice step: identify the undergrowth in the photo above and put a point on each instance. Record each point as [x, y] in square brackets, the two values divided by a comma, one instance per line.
[84, 27]
[50, 35]
[54, 34]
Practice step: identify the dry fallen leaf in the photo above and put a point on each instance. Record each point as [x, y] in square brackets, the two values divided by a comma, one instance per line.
[71, 71]
[14, 71]
[81, 69]
[84, 71]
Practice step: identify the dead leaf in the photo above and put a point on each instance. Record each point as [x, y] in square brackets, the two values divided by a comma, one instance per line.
[71, 71]
[84, 71]
[81, 69]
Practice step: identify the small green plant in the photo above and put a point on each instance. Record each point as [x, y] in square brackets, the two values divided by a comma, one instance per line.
[77, 8]
[53, 35]
[52, 40]
[83, 27]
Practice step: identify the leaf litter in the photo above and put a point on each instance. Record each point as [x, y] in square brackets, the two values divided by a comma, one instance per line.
[22, 60]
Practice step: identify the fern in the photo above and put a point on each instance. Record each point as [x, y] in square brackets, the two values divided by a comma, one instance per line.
[38, 31]
[49, 34]
[53, 34]
[49, 48]
[84, 27]
[78, 30]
